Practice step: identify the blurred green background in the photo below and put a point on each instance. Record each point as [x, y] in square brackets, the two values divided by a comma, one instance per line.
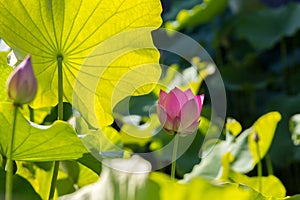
[256, 47]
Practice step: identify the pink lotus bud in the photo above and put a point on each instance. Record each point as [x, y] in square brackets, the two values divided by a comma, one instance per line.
[179, 111]
[21, 84]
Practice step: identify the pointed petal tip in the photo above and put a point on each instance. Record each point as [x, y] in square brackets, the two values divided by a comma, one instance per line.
[200, 98]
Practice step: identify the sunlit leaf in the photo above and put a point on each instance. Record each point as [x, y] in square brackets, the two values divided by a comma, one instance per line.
[101, 143]
[38, 143]
[38, 174]
[271, 185]
[198, 15]
[233, 126]
[3, 58]
[265, 128]
[5, 71]
[196, 189]
[241, 148]
[73, 175]
[76, 30]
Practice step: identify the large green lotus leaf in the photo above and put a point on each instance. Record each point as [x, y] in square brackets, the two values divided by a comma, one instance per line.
[3, 57]
[262, 187]
[271, 185]
[264, 28]
[5, 71]
[200, 14]
[240, 147]
[74, 31]
[196, 189]
[38, 143]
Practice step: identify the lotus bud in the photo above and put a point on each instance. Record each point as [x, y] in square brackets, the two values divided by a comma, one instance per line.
[179, 111]
[22, 85]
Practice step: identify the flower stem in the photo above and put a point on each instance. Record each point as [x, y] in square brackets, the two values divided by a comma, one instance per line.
[9, 174]
[259, 168]
[60, 114]
[174, 156]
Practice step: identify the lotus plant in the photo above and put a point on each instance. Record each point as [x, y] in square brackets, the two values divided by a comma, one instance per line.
[179, 111]
[179, 114]
[21, 89]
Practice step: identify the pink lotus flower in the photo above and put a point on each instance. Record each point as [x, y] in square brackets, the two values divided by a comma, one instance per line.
[179, 111]
[21, 84]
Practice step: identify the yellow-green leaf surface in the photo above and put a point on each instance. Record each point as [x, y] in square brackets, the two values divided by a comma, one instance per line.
[5, 71]
[196, 189]
[265, 127]
[40, 143]
[77, 30]
[242, 148]
[199, 14]
[38, 174]
[271, 185]
[233, 126]
[104, 142]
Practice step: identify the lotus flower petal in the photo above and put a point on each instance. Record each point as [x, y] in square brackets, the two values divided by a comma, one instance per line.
[179, 111]
[189, 113]
[181, 96]
[172, 105]
[191, 129]
[200, 100]
[162, 96]
[21, 84]
[189, 94]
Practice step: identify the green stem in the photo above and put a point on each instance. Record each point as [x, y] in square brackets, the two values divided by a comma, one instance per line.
[60, 114]
[174, 156]
[9, 174]
[31, 114]
[269, 165]
[60, 89]
[259, 168]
